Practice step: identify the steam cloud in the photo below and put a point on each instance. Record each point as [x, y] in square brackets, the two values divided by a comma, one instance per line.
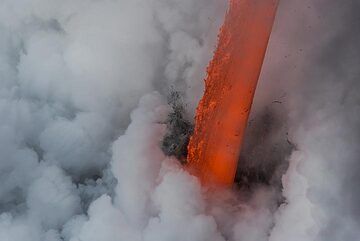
[83, 87]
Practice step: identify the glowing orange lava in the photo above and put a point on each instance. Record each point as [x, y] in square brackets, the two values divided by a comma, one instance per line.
[223, 112]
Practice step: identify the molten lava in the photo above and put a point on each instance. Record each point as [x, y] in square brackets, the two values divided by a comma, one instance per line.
[223, 112]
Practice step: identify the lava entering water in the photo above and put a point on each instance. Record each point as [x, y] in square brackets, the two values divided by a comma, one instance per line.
[222, 114]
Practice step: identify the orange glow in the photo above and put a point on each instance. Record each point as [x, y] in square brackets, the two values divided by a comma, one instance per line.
[223, 112]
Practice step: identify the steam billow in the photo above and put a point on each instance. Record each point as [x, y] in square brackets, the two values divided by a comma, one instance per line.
[97, 102]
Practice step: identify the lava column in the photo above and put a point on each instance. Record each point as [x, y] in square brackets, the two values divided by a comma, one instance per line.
[223, 112]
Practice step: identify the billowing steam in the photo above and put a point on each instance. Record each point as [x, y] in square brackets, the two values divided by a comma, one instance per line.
[83, 114]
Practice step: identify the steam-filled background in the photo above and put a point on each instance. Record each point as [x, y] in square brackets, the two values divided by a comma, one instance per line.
[84, 108]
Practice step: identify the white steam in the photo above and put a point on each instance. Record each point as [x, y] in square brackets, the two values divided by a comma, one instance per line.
[83, 86]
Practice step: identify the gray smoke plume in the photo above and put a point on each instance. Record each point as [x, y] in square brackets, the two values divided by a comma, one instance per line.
[83, 113]
[313, 70]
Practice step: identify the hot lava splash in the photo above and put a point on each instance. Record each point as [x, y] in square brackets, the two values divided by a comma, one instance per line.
[223, 112]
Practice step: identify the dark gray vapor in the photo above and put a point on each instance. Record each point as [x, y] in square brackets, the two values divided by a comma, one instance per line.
[311, 84]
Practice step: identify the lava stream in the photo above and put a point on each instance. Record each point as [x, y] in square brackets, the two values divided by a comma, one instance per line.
[223, 112]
